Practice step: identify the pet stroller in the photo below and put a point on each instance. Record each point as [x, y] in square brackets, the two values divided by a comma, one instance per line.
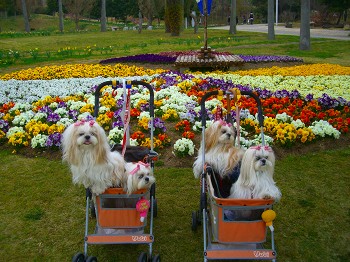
[232, 228]
[122, 218]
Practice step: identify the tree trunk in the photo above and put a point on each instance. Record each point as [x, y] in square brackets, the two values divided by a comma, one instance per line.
[270, 20]
[25, 16]
[76, 21]
[103, 16]
[60, 14]
[140, 22]
[233, 15]
[195, 19]
[304, 42]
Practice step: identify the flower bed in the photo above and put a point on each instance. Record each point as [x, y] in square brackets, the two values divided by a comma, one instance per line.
[298, 108]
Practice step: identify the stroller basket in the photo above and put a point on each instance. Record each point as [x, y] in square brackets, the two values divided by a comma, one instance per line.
[237, 220]
[115, 209]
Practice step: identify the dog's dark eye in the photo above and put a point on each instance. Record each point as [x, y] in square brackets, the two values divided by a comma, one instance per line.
[81, 134]
[93, 133]
[258, 158]
[141, 176]
[223, 131]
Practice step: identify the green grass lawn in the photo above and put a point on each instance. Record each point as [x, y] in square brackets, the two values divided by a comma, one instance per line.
[93, 45]
[42, 213]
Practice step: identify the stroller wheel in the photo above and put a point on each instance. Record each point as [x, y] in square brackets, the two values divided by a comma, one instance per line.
[156, 258]
[91, 259]
[78, 257]
[143, 257]
[155, 208]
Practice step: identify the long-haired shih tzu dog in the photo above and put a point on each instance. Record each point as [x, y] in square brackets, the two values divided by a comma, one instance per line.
[139, 176]
[256, 176]
[221, 154]
[85, 148]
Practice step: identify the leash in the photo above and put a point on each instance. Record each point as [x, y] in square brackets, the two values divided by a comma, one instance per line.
[127, 93]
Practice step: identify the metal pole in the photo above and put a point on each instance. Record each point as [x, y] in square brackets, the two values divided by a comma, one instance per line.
[276, 12]
[205, 24]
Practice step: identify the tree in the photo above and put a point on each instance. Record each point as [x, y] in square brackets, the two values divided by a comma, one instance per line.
[173, 16]
[233, 16]
[121, 9]
[270, 20]
[339, 6]
[60, 15]
[77, 8]
[8, 7]
[25, 16]
[146, 8]
[103, 16]
[304, 42]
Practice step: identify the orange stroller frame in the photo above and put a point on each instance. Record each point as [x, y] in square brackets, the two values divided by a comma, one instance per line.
[117, 219]
[232, 228]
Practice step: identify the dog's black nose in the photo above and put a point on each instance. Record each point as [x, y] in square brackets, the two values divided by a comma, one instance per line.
[263, 161]
[147, 179]
[87, 137]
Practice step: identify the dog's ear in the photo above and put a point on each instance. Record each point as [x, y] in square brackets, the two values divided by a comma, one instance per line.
[102, 147]
[130, 184]
[69, 145]
[247, 175]
[211, 136]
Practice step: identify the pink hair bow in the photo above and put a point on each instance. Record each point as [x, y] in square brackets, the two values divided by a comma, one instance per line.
[137, 168]
[223, 123]
[83, 121]
[259, 147]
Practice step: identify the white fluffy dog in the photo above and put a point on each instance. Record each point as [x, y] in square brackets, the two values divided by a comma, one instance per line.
[85, 147]
[256, 177]
[140, 176]
[220, 150]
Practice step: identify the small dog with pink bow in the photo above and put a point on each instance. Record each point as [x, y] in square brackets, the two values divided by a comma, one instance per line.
[256, 176]
[85, 148]
[139, 176]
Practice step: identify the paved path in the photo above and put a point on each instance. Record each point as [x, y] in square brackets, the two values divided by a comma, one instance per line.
[338, 34]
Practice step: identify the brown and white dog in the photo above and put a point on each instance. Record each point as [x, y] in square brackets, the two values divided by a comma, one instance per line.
[256, 177]
[85, 148]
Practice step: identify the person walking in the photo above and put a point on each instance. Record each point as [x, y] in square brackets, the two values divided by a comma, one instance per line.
[251, 18]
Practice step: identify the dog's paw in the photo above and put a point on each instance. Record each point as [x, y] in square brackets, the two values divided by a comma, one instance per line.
[267, 197]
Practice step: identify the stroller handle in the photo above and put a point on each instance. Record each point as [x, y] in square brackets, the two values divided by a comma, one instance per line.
[115, 86]
[216, 92]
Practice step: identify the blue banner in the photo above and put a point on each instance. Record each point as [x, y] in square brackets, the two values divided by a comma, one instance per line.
[200, 6]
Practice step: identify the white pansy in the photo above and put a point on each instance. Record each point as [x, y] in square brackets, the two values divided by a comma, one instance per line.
[65, 122]
[298, 124]
[53, 105]
[39, 141]
[103, 109]
[198, 125]
[284, 117]
[62, 112]
[13, 130]
[23, 118]
[75, 105]
[323, 128]
[40, 116]
[183, 147]
[115, 136]
[84, 115]
[144, 114]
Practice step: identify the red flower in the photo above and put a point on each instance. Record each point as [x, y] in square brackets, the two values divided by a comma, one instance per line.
[135, 112]
[188, 134]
